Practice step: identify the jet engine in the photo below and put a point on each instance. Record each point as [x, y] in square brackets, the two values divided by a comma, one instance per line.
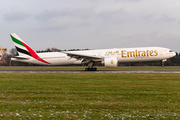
[110, 62]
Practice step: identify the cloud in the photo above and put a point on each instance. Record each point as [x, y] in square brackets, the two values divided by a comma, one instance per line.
[93, 23]
[62, 19]
[17, 16]
[47, 15]
[167, 18]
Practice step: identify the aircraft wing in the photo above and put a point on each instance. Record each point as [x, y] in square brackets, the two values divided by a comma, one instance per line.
[21, 57]
[83, 56]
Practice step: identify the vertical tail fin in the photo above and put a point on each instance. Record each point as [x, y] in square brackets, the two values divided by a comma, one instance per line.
[21, 46]
[23, 49]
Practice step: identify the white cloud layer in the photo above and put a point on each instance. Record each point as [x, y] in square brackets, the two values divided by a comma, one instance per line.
[92, 24]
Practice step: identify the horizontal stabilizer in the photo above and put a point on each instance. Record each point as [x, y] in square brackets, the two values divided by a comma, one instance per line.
[21, 57]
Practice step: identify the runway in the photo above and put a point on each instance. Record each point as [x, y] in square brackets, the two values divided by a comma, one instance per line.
[82, 71]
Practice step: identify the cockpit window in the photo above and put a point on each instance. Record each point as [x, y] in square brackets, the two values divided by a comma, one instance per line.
[170, 51]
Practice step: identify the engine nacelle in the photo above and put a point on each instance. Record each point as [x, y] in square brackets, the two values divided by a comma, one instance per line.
[110, 62]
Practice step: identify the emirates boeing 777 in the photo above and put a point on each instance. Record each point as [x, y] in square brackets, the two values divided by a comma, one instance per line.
[108, 57]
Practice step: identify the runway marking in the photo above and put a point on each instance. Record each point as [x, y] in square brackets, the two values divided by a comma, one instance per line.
[82, 71]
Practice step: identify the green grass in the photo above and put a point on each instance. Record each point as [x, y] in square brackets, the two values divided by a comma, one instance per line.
[83, 68]
[89, 96]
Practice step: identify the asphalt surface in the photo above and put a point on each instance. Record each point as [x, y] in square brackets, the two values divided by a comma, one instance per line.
[82, 71]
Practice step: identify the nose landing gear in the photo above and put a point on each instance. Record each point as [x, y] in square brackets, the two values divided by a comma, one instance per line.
[163, 61]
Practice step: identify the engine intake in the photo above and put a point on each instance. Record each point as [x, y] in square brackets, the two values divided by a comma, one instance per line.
[110, 62]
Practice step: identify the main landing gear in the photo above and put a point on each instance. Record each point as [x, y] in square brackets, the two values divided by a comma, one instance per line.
[90, 67]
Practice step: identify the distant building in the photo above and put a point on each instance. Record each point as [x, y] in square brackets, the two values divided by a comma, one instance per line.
[3, 55]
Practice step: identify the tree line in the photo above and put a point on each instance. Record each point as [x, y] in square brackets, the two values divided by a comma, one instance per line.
[175, 61]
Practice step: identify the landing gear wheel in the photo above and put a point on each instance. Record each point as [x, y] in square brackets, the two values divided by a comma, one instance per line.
[94, 69]
[90, 69]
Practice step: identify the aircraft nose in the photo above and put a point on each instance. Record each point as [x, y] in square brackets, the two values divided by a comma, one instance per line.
[173, 54]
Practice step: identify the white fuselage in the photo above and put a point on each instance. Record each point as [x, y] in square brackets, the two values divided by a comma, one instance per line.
[122, 54]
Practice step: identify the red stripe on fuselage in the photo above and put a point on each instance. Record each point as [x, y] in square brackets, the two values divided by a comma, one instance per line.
[34, 55]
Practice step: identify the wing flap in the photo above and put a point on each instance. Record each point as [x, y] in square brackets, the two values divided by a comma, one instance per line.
[83, 56]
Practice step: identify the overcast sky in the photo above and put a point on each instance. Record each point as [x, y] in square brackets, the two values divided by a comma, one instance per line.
[93, 24]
